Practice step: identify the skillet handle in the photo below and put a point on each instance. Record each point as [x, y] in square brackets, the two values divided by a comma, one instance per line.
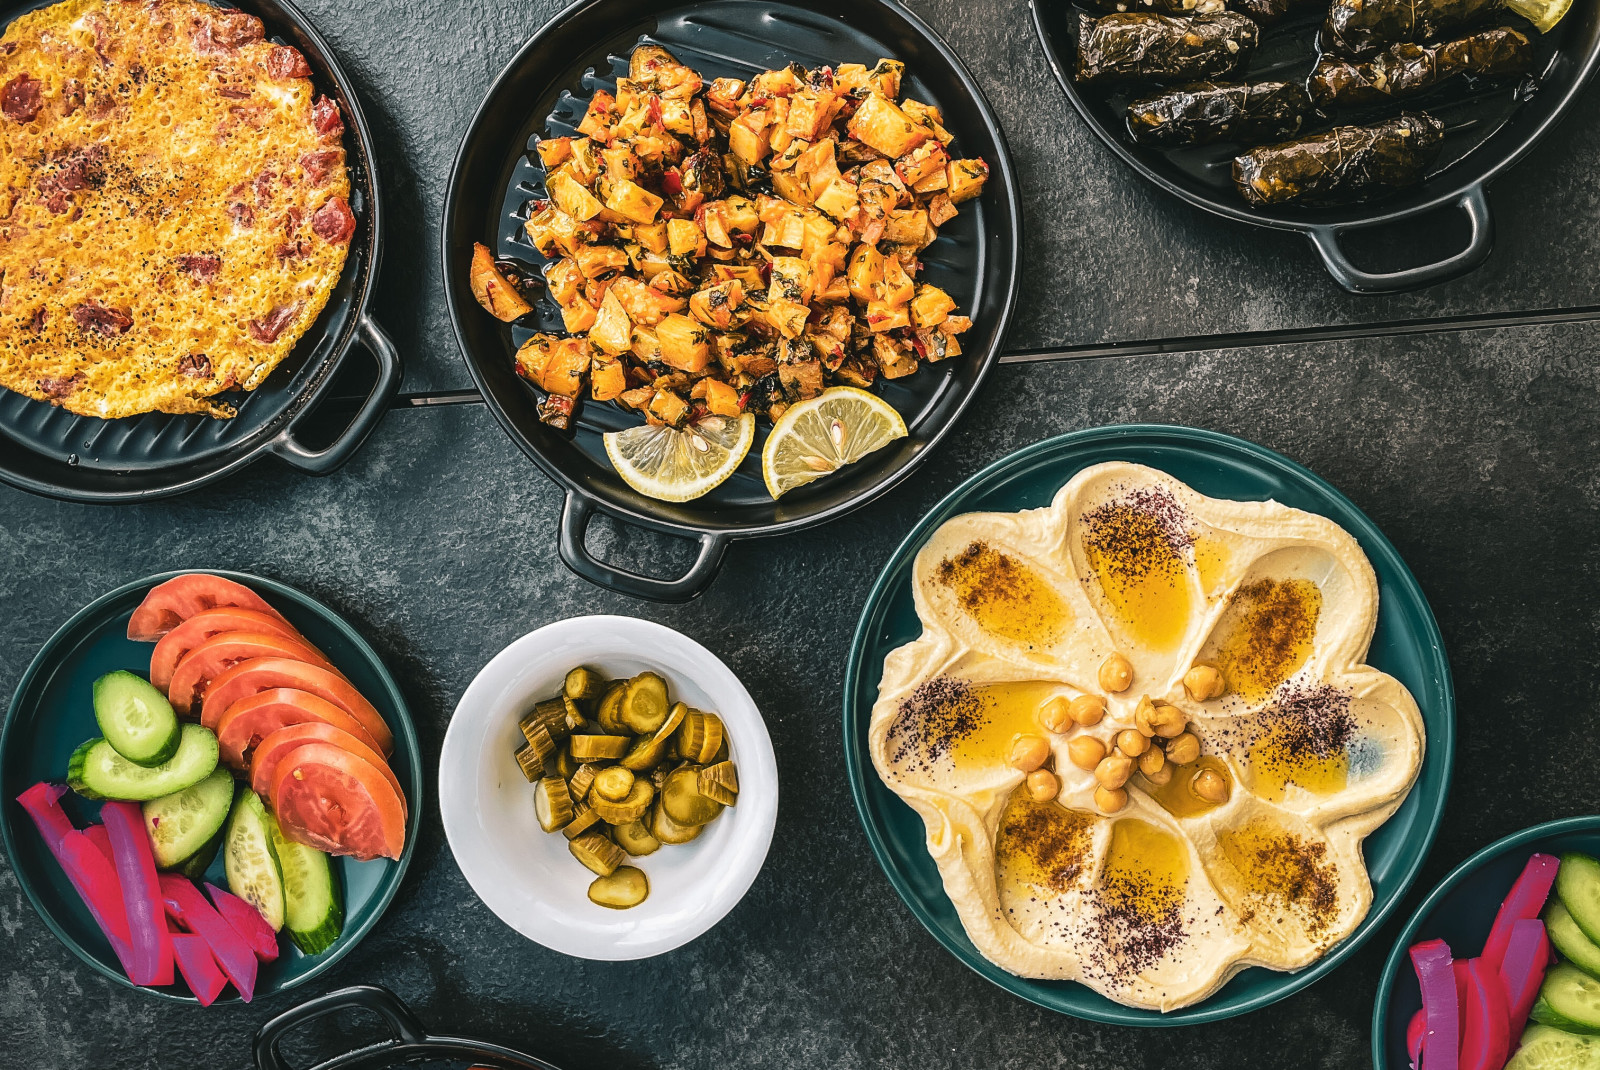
[402, 1023]
[575, 515]
[1474, 202]
[321, 462]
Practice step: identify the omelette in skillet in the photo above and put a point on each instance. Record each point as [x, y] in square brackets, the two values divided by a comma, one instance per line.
[174, 205]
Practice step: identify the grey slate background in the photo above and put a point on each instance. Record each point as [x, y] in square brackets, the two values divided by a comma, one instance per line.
[1472, 450]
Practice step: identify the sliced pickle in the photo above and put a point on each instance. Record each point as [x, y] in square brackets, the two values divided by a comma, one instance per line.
[658, 775]
[612, 784]
[552, 715]
[581, 780]
[597, 852]
[587, 748]
[635, 838]
[644, 704]
[648, 751]
[532, 764]
[663, 828]
[700, 737]
[720, 783]
[583, 684]
[624, 887]
[609, 709]
[620, 812]
[583, 819]
[722, 750]
[681, 798]
[566, 765]
[551, 803]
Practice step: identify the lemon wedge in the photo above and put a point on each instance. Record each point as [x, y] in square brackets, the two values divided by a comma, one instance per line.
[1544, 14]
[677, 466]
[837, 427]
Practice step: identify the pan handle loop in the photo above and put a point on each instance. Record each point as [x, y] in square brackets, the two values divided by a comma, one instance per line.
[402, 1023]
[1474, 201]
[321, 462]
[575, 515]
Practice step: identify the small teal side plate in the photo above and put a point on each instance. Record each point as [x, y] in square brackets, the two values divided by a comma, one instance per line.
[1460, 912]
[1407, 645]
[52, 712]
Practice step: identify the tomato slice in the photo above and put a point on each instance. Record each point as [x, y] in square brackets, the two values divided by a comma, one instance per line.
[262, 674]
[271, 750]
[170, 604]
[253, 718]
[336, 802]
[202, 626]
[220, 653]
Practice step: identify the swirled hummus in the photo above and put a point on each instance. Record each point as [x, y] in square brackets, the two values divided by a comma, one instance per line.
[1159, 900]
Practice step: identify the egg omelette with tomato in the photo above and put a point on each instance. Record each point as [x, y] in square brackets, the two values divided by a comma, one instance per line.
[174, 205]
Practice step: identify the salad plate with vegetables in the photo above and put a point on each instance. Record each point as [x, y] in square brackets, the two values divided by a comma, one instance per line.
[209, 786]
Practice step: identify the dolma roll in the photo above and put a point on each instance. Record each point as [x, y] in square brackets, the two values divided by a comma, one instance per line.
[1408, 68]
[1363, 28]
[1163, 48]
[1344, 164]
[1267, 12]
[1161, 7]
[1203, 112]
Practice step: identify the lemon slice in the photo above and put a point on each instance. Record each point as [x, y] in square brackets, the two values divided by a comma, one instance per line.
[837, 427]
[1544, 14]
[676, 466]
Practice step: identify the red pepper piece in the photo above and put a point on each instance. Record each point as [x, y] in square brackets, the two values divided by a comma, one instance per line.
[186, 906]
[141, 895]
[247, 921]
[1436, 978]
[199, 968]
[1526, 900]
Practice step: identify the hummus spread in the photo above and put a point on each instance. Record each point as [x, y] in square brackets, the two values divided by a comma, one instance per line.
[1157, 903]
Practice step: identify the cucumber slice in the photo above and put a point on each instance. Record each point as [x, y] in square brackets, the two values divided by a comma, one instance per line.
[251, 860]
[1570, 940]
[1578, 885]
[180, 825]
[1547, 1048]
[194, 867]
[313, 907]
[135, 718]
[1569, 999]
[97, 771]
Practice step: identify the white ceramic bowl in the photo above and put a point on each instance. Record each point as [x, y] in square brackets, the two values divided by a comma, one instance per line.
[527, 876]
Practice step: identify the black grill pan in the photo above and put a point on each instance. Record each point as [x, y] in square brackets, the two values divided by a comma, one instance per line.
[546, 89]
[50, 451]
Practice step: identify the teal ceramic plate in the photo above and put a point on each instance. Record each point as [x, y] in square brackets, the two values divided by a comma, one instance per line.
[1407, 645]
[1460, 912]
[51, 713]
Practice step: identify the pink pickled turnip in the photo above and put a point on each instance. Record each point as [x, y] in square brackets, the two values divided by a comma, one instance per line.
[186, 906]
[1414, 1030]
[141, 894]
[43, 803]
[198, 967]
[90, 872]
[1441, 1015]
[1522, 971]
[1525, 901]
[246, 921]
[1486, 1035]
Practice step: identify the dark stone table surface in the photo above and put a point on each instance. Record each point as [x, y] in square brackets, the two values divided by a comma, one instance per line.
[1472, 448]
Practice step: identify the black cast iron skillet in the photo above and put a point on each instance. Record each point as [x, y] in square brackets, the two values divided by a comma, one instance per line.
[1488, 127]
[408, 1043]
[47, 450]
[547, 86]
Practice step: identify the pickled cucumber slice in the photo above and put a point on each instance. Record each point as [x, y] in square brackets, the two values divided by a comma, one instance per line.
[567, 766]
[582, 778]
[648, 751]
[583, 684]
[587, 748]
[551, 803]
[625, 887]
[720, 783]
[635, 838]
[644, 703]
[612, 784]
[597, 853]
[663, 828]
[700, 737]
[609, 712]
[634, 806]
[552, 717]
[583, 819]
[531, 763]
[681, 798]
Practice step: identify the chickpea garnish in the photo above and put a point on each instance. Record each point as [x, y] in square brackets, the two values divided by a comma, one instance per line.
[1132, 743]
[1086, 752]
[1110, 800]
[1141, 716]
[1088, 710]
[1116, 674]
[1056, 715]
[1210, 787]
[1029, 752]
[1042, 785]
[1184, 749]
[1152, 761]
[1161, 776]
[1167, 721]
[1113, 771]
[1204, 683]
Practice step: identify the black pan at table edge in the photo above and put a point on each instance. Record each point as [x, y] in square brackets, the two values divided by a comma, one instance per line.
[409, 1042]
[493, 178]
[49, 451]
[1486, 146]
